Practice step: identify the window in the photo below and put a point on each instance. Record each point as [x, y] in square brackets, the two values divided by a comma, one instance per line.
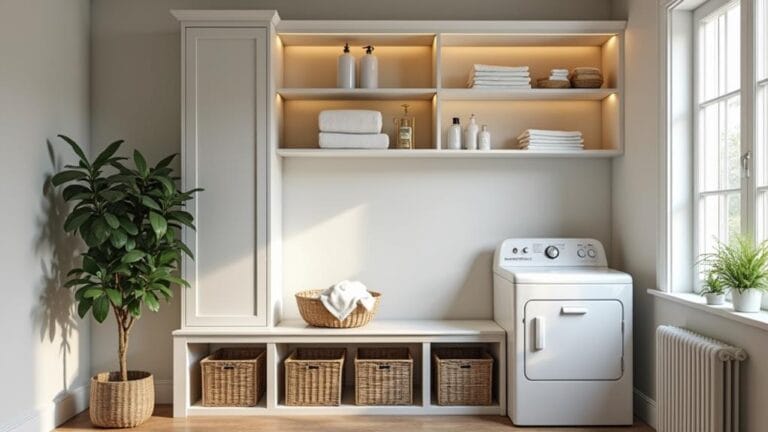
[718, 153]
[714, 131]
[761, 117]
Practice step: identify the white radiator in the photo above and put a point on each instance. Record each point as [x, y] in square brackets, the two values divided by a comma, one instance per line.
[697, 382]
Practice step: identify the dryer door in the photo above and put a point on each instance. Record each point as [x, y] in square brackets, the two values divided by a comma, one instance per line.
[574, 340]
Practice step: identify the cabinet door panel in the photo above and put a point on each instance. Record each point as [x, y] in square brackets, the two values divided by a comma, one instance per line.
[225, 134]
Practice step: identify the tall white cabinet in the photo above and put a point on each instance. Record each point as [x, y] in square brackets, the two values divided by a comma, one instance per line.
[225, 110]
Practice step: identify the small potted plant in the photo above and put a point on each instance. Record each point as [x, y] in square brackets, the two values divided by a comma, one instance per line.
[714, 289]
[128, 219]
[742, 266]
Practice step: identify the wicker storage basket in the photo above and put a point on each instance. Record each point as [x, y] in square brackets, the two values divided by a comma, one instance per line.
[313, 376]
[233, 377]
[314, 312]
[587, 83]
[548, 83]
[463, 376]
[383, 376]
[121, 404]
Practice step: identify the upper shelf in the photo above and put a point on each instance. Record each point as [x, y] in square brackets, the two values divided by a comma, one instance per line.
[441, 154]
[357, 94]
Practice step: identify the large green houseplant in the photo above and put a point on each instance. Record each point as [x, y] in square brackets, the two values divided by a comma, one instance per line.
[742, 267]
[129, 218]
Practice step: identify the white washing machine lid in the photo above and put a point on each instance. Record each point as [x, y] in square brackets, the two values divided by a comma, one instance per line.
[563, 275]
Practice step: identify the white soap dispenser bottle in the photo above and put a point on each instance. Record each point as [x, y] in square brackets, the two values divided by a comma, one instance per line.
[484, 139]
[346, 70]
[369, 69]
[453, 138]
[470, 134]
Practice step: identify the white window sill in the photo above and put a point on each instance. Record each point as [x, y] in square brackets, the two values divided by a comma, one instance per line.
[695, 301]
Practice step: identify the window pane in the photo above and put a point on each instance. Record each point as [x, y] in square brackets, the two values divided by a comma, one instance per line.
[761, 136]
[720, 146]
[762, 39]
[719, 219]
[720, 69]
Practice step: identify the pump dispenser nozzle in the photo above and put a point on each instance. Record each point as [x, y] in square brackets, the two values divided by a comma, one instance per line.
[346, 47]
[368, 49]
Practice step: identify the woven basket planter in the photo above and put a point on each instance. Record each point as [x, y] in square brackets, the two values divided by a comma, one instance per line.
[121, 404]
[313, 376]
[463, 376]
[315, 314]
[383, 376]
[233, 377]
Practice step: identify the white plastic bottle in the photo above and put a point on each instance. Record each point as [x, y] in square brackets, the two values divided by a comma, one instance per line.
[346, 70]
[453, 137]
[470, 134]
[484, 139]
[369, 69]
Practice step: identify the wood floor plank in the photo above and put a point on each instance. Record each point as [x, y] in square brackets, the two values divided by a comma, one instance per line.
[162, 421]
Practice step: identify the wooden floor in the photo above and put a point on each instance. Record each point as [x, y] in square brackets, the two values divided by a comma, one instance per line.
[162, 421]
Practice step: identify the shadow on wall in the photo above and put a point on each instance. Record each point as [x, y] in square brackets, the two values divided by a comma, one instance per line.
[55, 313]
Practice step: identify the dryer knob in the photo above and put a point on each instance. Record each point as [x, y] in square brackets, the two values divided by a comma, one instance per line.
[552, 252]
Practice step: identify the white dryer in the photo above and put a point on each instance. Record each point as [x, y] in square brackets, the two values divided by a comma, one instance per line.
[568, 319]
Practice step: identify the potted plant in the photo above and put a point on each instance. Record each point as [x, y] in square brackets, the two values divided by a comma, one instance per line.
[128, 219]
[714, 289]
[742, 266]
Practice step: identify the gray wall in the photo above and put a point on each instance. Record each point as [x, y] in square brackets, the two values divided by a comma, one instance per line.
[43, 92]
[135, 96]
[636, 179]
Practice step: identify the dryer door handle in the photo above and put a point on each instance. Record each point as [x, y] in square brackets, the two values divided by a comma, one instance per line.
[539, 329]
[573, 310]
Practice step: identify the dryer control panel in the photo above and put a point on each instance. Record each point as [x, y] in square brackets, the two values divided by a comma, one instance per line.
[550, 252]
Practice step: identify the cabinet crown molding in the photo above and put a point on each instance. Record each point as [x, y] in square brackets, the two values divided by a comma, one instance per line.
[226, 15]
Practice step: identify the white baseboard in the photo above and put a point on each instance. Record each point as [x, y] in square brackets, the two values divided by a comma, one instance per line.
[645, 408]
[51, 415]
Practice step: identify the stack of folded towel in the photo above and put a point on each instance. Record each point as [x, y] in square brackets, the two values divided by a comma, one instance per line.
[501, 77]
[558, 75]
[351, 129]
[551, 140]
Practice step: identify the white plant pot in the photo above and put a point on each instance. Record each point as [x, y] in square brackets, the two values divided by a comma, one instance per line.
[748, 300]
[714, 299]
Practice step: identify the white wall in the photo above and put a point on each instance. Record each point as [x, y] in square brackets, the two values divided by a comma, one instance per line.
[465, 207]
[43, 91]
[635, 225]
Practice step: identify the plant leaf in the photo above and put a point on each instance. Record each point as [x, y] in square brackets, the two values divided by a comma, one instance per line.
[78, 151]
[93, 293]
[107, 153]
[133, 256]
[67, 176]
[76, 219]
[165, 162]
[112, 220]
[115, 297]
[159, 224]
[141, 163]
[89, 265]
[149, 202]
[118, 238]
[74, 190]
[83, 307]
[101, 308]
[129, 226]
[151, 301]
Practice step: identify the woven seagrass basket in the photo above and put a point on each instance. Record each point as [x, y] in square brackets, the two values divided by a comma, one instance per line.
[314, 312]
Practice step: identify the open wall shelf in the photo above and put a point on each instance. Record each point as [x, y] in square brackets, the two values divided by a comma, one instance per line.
[428, 69]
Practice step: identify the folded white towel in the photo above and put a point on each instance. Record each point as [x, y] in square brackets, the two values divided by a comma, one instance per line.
[342, 298]
[353, 141]
[495, 68]
[515, 80]
[499, 74]
[558, 78]
[502, 86]
[559, 72]
[350, 121]
[549, 133]
[550, 143]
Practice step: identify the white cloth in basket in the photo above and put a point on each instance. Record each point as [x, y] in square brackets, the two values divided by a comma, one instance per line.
[342, 298]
